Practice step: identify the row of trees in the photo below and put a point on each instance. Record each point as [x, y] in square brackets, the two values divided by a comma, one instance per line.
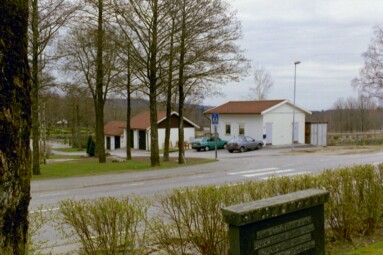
[364, 112]
[170, 47]
[162, 50]
[165, 49]
[352, 114]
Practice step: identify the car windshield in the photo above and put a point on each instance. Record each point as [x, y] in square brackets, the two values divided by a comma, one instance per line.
[249, 139]
[237, 140]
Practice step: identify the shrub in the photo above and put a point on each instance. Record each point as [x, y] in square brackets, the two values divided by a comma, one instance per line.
[107, 225]
[37, 219]
[191, 219]
[340, 209]
[356, 201]
[91, 147]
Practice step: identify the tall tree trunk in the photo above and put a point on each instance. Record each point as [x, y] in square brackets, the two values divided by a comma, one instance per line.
[169, 95]
[128, 110]
[15, 126]
[100, 148]
[154, 150]
[181, 84]
[35, 90]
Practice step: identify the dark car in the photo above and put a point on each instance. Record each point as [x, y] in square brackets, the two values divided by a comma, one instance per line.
[243, 143]
[208, 143]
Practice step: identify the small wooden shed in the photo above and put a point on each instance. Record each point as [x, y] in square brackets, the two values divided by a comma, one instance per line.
[316, 133]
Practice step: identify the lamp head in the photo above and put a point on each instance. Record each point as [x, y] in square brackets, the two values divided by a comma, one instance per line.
[297, 62]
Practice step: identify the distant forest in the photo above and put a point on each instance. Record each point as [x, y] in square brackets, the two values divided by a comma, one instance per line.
[349, 120]
[81, 110]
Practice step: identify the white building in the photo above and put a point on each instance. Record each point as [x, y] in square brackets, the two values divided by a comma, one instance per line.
[268, 120]
[115, 131]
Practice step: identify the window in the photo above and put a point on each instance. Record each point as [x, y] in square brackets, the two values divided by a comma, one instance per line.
[241, 129]
[228, 129]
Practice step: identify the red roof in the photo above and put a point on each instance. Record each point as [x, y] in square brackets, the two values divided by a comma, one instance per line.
[114, 128]
[142, 120]
[244, 107]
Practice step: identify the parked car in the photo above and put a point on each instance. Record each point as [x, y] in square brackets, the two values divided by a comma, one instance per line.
[243, 143]
[208, 143]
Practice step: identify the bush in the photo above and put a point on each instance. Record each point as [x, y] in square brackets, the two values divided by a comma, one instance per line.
[107, 225]
[189, 221]
[37, 219]
[356, 200]
[91, 147]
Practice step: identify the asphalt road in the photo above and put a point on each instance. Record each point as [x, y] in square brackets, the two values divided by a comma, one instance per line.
[230, 168]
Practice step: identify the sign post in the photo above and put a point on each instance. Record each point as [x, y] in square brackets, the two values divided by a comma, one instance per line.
[215, 121]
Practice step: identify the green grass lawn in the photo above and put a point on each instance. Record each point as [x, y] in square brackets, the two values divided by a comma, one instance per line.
[69, 149]
[75, 166]
[376, 249]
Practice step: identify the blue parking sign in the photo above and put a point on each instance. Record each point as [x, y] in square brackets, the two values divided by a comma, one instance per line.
[214, 118]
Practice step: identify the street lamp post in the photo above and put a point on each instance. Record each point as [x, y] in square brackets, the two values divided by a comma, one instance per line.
[295, 82]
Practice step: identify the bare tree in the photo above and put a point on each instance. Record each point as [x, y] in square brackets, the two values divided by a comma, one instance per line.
[207, 51]
[146, 22]
[370, 81]
[15, 125]
[92, 59]
[262, 83]
[170, 79]
[48, 16]
[353, 114]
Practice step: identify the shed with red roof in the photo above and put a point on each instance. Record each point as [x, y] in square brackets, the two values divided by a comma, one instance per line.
[115, 131]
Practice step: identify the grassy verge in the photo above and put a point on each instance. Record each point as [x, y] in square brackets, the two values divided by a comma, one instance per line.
[76, 167]
[360, 245]
[376, 249]
[339, 150]
[69, 149]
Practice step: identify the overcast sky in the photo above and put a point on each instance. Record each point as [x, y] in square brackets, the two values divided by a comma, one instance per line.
[327, 36]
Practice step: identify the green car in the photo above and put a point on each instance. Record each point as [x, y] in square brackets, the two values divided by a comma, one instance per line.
[208, 143]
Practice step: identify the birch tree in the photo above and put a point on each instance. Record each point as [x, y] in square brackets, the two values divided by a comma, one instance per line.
[370, 80]
[262, 83]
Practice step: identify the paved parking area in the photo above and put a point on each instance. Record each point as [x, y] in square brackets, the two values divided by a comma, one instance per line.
[189, 153]
[222, 153]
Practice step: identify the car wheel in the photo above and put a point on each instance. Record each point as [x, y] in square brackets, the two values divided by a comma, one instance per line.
[207, 148]
[231, 151]
[242, 149]
[260, 146]
[198, 149]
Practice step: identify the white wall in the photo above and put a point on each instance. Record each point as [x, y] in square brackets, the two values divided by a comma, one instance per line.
[252, 123]
[189, 134]
[318, 133]
[112, 143]
[135, 139]
[281, 119]
[123, 139]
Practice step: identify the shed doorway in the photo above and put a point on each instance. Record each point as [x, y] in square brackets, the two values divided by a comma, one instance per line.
[269, 133]
[117, 142]
[142, 140]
